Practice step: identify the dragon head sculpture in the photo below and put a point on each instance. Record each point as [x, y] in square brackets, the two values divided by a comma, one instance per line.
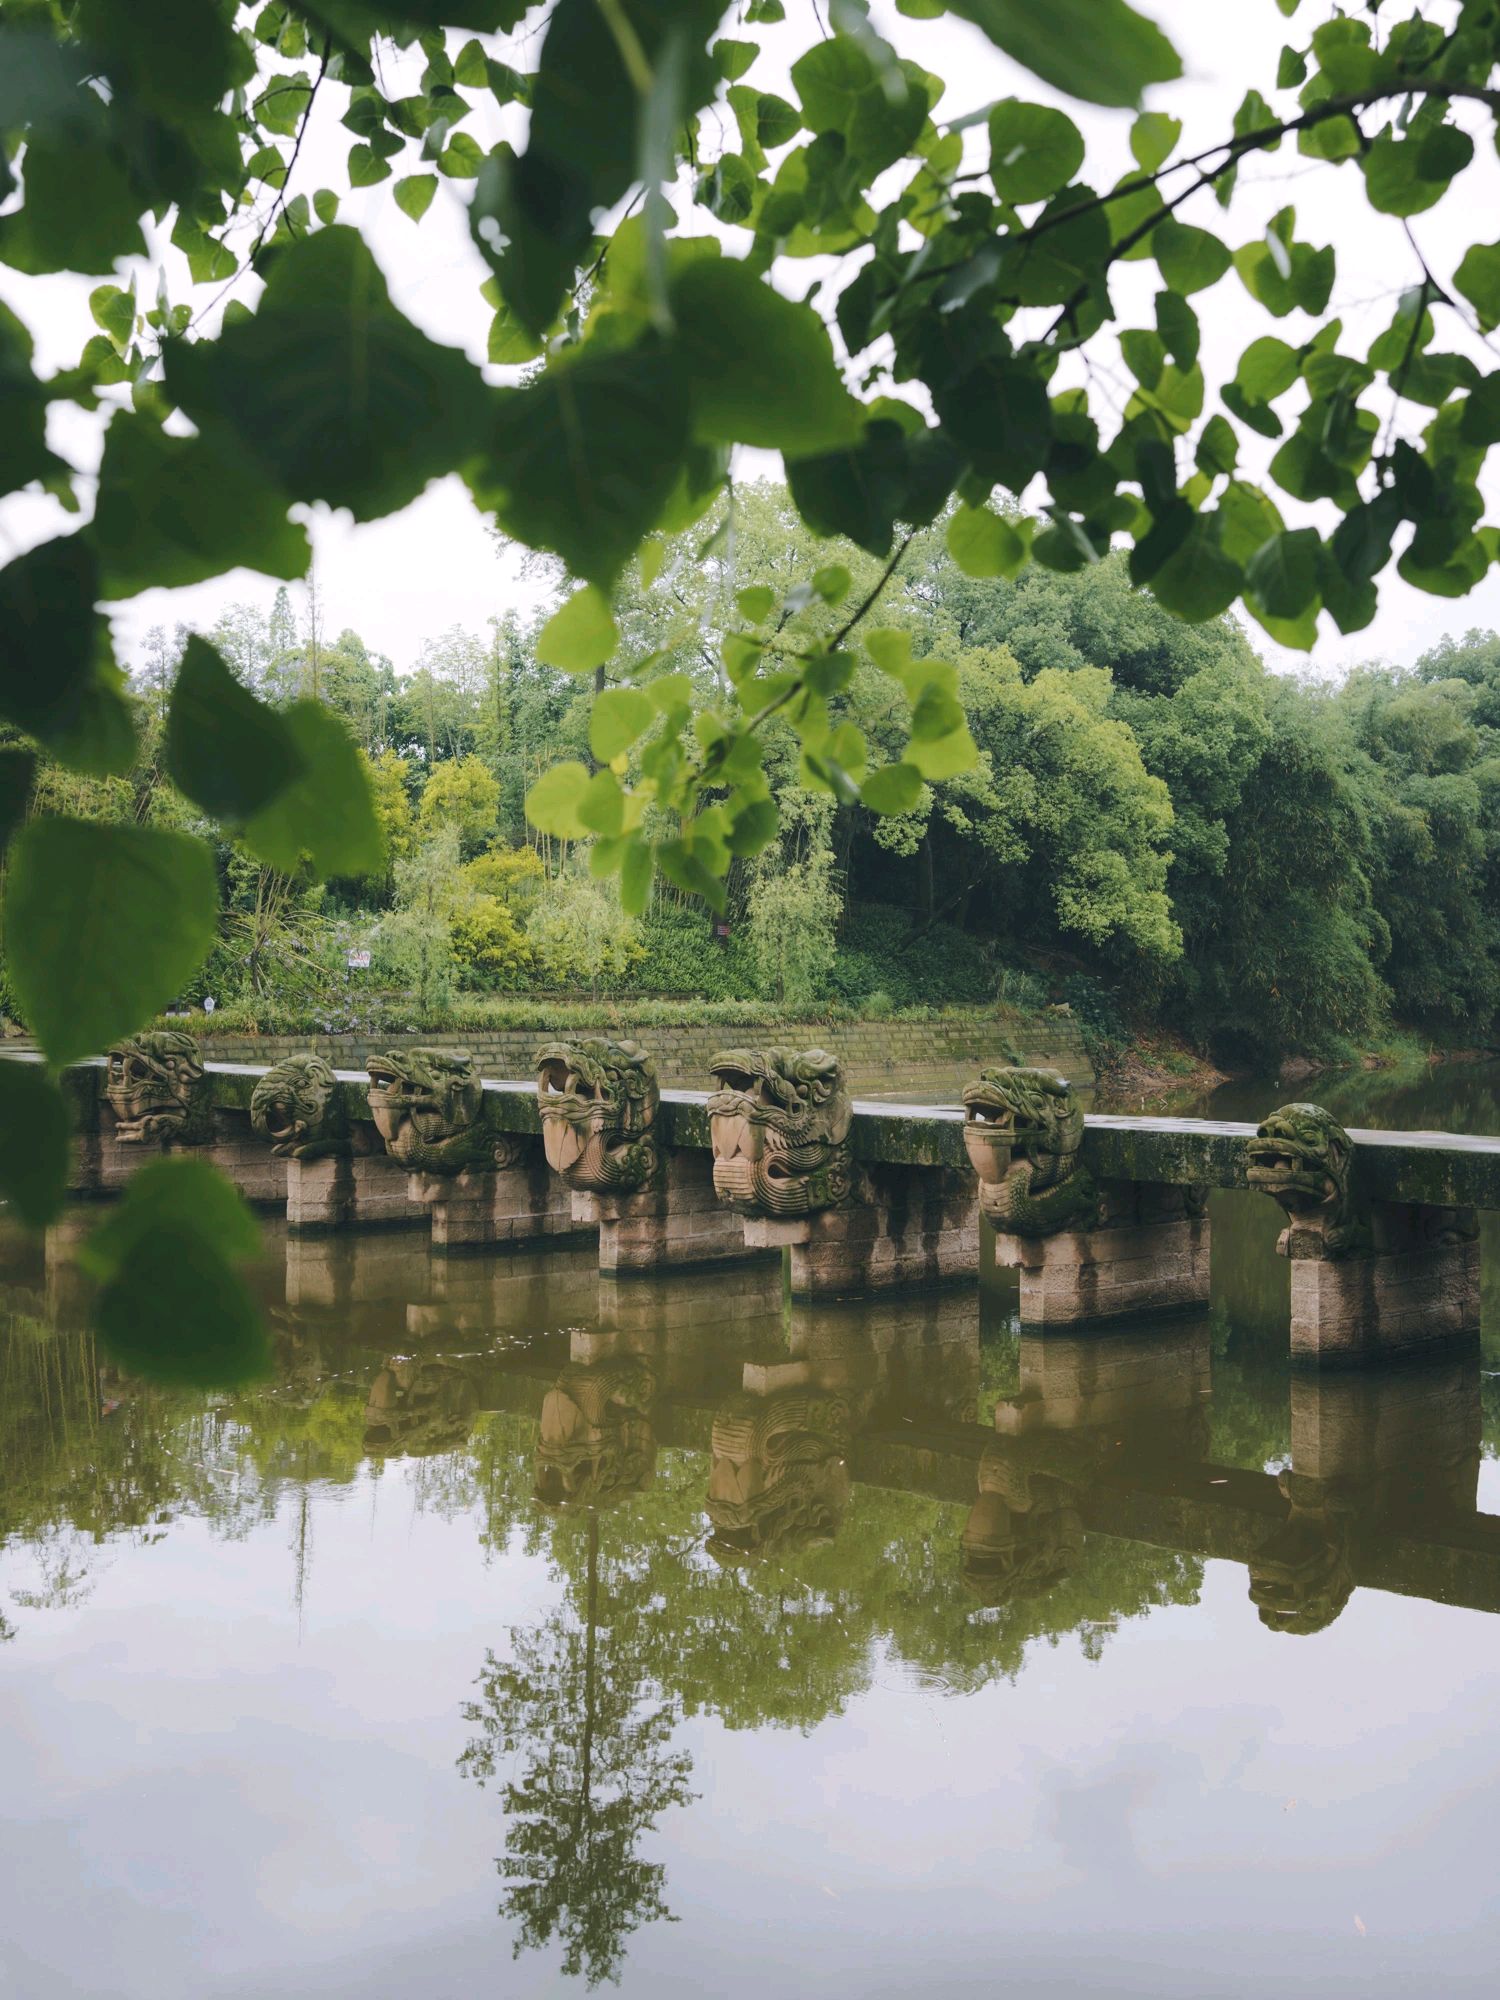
[1303, 1159]
[598, 1102]
[419, 1406]
[779, 1122]
[779, 1478]
[1023, 1535]
[157, 1089]
[428, 1106]
[596, 1443]
[1022, 1130]
[296, 1106]
[1300, 1579]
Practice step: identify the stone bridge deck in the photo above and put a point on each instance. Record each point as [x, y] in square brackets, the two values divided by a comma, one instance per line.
[1403, 1274]
[1438, 1168]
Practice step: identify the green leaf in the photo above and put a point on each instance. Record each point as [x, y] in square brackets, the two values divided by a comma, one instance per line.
[1177, 327]
[1282, 576]
[1197, 581]
[601, 806]
[620, 717]
[1407, 176]
[832, 583]
[34, 1158]
[1478, 278]
[52, 637]
[1034, 150]
[1100, 50]
[984, 544]
[1152, 138]
[174, 511]
[1218, 448]
[172, 1307]
[635, 878]
[339, 396]
[777, 121]
[894, 788]
[553, 801]
[70, 885]
[1189, 259]
[732, 59]
[759, 368]
[366, 168]
[414, 194]
[754, 826]
[113, 312]
[1267, 368]
[890, 475]
[461, 158]
[756, 604]
[228, 752]
[585, 460]
[17, 781]
[580, 635]
[327, 812]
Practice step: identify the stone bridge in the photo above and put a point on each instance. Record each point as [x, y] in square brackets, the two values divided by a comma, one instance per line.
[1103, 1217]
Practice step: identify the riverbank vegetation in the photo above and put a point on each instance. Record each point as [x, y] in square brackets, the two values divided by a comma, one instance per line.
[1159, 833]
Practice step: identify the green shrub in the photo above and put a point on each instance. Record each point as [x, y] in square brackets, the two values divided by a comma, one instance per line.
[884, 949]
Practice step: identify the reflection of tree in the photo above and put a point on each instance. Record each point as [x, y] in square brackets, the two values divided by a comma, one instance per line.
[576, 1705]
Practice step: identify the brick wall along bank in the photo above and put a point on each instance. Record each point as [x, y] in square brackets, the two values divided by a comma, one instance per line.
[920, 1059]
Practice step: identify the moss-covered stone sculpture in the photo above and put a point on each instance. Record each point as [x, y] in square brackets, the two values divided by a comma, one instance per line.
[598, 1102]
[779, 1123]
[158, 1091]
[297, 1106]
[1023, 1129]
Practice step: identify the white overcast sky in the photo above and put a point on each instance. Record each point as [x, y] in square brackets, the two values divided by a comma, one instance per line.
[412, 576]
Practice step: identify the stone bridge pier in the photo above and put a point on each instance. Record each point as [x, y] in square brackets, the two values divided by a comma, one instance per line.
[1372, 1278]
[1089, 1248]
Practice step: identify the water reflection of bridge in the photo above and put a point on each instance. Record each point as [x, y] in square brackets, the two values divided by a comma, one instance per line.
[1103, 1434]
[1108, 1429]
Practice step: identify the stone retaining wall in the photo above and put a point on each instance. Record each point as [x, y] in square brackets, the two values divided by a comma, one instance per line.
[886, 1058]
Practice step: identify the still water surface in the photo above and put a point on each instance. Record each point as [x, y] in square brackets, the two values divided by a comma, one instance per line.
[530, 1630]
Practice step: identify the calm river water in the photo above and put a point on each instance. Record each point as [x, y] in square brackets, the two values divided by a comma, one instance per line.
[529, 1631]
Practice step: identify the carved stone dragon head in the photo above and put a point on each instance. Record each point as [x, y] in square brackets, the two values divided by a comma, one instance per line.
[1022, 1130]
[419, 1405]
[428, 1106]
[296, 1106]
[779, 1477]
[157, 1089]
[779, 1122]
[1300, 1578]
[598, 1102]
[1023, 1535]
[595, 1442]
[1303, 1159]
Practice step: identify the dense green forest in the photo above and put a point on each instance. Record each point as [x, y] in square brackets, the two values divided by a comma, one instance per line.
[1159, 829]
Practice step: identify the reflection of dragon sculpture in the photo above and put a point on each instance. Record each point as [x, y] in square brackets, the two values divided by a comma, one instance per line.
[595, 1442]
[1300, 1580]
[779, 1477]
[779, 1122]
[419, 1406]
[157, 1090]
[1023, 1535]
[1302, 1158]
[1023, 1129]
[428, 1106]
[296, 1105]
[598, 1102]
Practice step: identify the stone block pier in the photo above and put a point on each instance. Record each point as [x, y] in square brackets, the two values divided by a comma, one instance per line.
[1104, 1218]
